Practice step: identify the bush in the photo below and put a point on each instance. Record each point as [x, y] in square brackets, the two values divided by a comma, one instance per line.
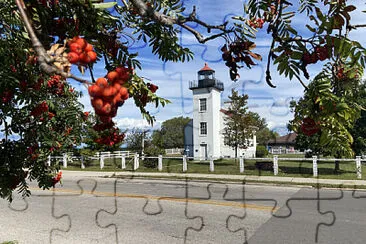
[264, 165]
[308, 153]
[152, 151]
[261, 151]
[87, 153]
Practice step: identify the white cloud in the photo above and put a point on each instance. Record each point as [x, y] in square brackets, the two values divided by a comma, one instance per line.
[129, 123]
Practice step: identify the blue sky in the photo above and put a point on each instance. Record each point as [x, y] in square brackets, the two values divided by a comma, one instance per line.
[173, 78]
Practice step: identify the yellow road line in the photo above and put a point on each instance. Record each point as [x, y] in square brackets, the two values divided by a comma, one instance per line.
[171, 199]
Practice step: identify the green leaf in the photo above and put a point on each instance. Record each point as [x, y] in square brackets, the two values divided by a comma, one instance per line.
[310, 28]
[296, 55]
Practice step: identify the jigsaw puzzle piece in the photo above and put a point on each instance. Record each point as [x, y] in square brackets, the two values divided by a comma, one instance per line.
[26, 221]
[81, 207]
[161, 216]
[305, 211]
[234, 215]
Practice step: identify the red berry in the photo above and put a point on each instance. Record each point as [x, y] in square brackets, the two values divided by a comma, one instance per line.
[73, 57]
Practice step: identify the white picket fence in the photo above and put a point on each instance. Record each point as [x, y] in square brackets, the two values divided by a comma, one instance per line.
[135, 160]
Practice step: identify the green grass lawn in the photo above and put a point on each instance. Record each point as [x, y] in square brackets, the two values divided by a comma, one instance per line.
[229, 166]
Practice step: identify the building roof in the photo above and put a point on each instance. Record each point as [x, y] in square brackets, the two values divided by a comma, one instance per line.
[226, 112]
[206, 68]
[286, 139]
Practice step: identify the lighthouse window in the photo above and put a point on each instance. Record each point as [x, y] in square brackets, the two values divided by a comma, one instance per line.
[203, 105]
[203, 128]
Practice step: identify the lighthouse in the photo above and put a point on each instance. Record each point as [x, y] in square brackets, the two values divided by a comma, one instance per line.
[206, 114]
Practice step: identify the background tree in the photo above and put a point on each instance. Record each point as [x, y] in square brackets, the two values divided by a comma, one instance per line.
[264, 135]
[172, 132]
[157, 139]
[135, 137]
[239, 122]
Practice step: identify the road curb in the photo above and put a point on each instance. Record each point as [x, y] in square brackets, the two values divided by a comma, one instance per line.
[248, 179]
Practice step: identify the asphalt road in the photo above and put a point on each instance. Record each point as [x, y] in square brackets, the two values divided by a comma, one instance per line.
[161, 211]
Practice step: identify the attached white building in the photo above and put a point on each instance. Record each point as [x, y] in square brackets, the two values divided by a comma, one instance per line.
[203, 135]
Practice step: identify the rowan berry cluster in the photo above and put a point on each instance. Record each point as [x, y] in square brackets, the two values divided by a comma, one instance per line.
[237, 52]
[81, 52]
[56, 179]
[40, 109]
[309, 127]
[107, 94]
[114, 137]
[320, 53]
[56, 85]
[256, 23]
[6, 96]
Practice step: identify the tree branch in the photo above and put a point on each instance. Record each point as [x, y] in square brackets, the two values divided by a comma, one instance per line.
[148, 12]
[44, 60]
[356, 26]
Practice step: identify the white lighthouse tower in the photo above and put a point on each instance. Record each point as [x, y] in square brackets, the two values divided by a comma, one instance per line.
[206, 114]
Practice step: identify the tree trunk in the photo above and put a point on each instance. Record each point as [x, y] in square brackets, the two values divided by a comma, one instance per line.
[236, 153]
[336, 164]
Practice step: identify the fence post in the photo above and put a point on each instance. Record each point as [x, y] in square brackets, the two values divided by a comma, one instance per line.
[123, 161]
[315, 166]
[160, 162]
[64, 160]
[82, 162]
[49, 160]
[185, 163]
[241, 164]
[212, 165]
[101, 161]
[358, 167]
[275, 164]
[136, 162]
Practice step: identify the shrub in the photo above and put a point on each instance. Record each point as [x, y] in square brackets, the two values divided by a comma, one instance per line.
[152, 151]
[87, 154]
[261, 151]
[308, 153]
[264, 165]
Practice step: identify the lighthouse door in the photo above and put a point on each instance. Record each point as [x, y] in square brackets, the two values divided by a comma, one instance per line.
[203, 151]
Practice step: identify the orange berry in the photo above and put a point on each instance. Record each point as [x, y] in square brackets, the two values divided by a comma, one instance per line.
[97, 103]
[107, 108]
[117, 99]
[81, 42]
[112, 76]
[73, 57]
[101, 82]
[124, 93]
[84, 58]
[94, 90]
[89, 47]
[117, 86]
[75, 47]
[108, 93]
[92, 56]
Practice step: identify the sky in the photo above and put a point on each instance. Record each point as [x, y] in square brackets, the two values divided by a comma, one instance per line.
[173, 78]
